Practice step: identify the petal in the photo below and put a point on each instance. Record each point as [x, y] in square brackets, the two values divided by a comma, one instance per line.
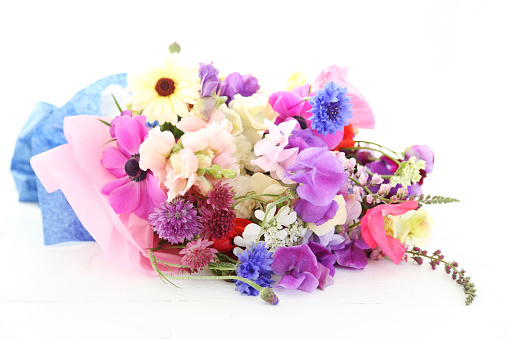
[114, 161]
[106, 189]
[128, 132]
[126, 198]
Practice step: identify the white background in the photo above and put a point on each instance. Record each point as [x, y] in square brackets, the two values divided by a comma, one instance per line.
[434, 72]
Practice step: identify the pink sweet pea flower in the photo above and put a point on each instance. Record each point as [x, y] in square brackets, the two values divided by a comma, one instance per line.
[362, 112]
[274, 158]
[375, 223]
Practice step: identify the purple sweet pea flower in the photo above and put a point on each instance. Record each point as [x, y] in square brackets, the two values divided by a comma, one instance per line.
[321, 176]
[385, 166]
[351, 252]
[304, 139]
[328, 240]
[422, 152]
[298, 267]
[210, 80]
[327, 259]
[245, 85]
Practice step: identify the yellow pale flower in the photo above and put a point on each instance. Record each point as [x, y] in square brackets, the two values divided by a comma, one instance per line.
[339, 218]
[163, 93]
[263, 184]
[414, 224]
[295, 80]
[253, 111]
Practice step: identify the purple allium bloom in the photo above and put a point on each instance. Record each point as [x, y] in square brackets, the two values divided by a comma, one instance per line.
[245, 85]
[321, 176]
[298, 267]
[176, 221]
[331, 109]
[254, 265]
[351, 252]
[210, 80]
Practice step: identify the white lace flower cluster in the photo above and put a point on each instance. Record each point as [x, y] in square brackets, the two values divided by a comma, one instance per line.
[285, 230]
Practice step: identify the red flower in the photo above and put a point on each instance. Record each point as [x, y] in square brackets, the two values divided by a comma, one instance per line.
[225, 244]
[347, 138]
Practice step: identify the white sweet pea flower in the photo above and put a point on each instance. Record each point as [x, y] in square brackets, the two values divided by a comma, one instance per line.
[249, 236]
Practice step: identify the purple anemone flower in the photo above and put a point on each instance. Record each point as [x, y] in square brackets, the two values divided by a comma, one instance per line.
[134, 191]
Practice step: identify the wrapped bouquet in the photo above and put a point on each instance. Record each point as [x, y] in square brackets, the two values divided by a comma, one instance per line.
[188, 172]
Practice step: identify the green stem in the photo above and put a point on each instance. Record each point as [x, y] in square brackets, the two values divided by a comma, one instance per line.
[373, 149]
[154, 260]
[246, 197]
[381, 146]
[269, 207]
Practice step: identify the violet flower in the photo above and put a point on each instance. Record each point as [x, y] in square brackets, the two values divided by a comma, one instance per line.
[351, 252]
[245, 85]
[298, 267]
[326, 261]
[210, 80]
[321, 176]
[134, 190]
[385, 166]
[304, 139]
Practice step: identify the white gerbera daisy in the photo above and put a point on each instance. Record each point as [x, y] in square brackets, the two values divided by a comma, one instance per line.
[163, 93]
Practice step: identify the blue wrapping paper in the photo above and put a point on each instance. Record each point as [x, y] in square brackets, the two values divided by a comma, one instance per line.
[44, 131]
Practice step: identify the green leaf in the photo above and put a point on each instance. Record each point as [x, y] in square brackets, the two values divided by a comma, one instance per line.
[116, 103]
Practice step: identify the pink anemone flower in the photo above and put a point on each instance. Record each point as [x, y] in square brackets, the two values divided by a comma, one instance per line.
[374, 230]
[291, 106]
[135, 190]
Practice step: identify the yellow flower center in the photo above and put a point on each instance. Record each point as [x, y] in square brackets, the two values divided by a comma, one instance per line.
[165, 87]
[389, 226]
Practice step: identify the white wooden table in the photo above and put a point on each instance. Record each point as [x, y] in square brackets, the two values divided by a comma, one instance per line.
[435, 72]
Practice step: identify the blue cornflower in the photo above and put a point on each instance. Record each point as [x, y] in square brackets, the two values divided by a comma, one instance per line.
[331, 109]
[254, 265]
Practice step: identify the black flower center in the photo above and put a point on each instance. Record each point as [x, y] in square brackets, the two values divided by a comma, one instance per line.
[165, 87]
[133, 170]
[302, 122]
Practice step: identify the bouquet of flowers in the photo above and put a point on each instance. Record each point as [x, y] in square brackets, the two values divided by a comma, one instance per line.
[196, 172]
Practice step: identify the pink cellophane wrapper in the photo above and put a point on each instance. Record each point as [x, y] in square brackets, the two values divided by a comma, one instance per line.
[76, 169]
